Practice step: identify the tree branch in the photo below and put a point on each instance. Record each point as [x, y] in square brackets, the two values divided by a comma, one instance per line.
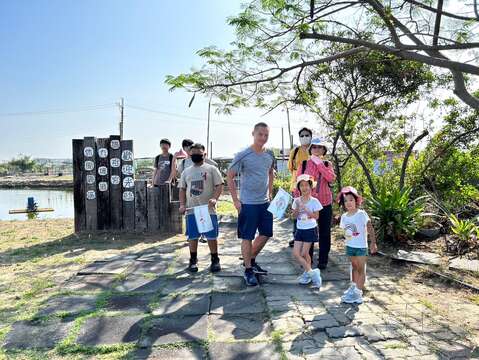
[407, 55]
[446, 147]
[282, 71]
[445, 13]
[407, 155]
[437, 24]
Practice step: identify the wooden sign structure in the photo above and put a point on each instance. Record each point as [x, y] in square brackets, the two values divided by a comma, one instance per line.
[107, 197]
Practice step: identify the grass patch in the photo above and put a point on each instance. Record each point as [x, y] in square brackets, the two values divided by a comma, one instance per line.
[37, 257]
[226, 208]
[277, 340]
[396, 346]
[427, 304]
[474, 299]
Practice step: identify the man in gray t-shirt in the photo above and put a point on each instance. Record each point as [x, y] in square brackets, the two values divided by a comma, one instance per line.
[256, 167]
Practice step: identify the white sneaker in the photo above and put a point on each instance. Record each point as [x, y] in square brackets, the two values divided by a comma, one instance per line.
[350, 288]
[354, 297]
[316, 278]
[304, 279]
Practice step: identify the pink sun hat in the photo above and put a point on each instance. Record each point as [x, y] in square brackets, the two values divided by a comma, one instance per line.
[352, 190]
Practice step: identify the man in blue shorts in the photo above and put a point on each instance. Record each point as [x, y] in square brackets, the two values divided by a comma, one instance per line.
[256, 167]
[200, 184]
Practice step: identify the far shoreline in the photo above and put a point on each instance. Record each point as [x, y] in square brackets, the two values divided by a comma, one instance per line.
[37, 182]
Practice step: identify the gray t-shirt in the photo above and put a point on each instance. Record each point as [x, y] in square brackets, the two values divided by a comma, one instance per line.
[163, 164]
[254, 169]
[200, 183]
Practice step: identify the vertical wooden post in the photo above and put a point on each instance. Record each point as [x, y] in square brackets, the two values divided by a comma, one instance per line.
[141, 206]
[78, 185]
[164, 211]
[116, 211]
[89, 168]
[103, 186]
[153, 199]
[176, 219]
[128, 185]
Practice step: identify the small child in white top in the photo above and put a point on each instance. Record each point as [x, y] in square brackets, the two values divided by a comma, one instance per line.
[357, 226]
[306, 210]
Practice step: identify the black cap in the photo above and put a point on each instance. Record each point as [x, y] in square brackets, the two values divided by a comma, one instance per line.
[305, 129]
[165, 141]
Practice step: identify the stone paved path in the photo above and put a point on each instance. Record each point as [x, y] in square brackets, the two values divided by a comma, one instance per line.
[147, 299]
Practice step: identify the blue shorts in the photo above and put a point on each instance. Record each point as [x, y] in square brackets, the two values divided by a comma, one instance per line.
[306, 235]
[252, 218]
[352, 251]
[192, 229]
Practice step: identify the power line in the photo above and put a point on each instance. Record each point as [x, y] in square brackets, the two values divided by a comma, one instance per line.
[196, 118]
[58, 111]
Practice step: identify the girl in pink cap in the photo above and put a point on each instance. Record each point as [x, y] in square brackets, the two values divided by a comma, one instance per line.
[306, 211]
[322, 171]
[357, 226]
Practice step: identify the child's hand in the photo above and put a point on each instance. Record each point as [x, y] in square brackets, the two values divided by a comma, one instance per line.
[374, 248]
[348, 234]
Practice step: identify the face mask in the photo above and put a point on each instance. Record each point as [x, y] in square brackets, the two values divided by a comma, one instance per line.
[197, 158]
[305, 140]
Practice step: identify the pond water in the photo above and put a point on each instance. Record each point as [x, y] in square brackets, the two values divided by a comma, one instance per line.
[60, 200]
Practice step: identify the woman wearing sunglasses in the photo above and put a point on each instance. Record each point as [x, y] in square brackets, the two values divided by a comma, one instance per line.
[323, 172]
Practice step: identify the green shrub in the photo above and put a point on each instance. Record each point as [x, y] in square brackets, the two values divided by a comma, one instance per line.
[465, 231]
[281, 182]
[396, 215]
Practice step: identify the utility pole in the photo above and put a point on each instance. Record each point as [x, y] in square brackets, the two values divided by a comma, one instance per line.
[208, 131]
[282, 147]
[289, 129]
[121, 106]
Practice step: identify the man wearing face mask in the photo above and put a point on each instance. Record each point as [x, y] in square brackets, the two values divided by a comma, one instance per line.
[187, 162]
[200, 184]
[296, 158]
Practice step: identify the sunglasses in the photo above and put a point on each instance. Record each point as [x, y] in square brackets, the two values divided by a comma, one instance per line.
[316, 146]
[305, 135]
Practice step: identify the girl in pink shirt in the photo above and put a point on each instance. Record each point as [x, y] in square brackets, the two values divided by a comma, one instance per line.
[323, 173]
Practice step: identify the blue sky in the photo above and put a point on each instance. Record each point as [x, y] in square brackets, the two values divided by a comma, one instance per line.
[71, 55]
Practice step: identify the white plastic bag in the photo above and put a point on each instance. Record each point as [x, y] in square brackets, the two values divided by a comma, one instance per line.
[280, 203]
[203, 219]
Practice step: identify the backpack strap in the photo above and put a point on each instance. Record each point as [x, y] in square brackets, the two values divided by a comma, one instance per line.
[295, 154]
[171, 161]
[303, 166]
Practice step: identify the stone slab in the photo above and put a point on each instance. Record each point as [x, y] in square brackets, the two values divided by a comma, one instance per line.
[464, 264]
[149, 267]
[187, 353]
[168, 330]
[132, 303]
[418, 257]
[239, 327]
[68, 304]
[29, 335]
[106, 267]
[91, 283]
[243, 351]
[237, 303]
[109, 330]
[182, 305]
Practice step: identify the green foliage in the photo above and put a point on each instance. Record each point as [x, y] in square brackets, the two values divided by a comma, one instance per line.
[281, 182]
[465, 230]
[20, 164]
[396, 214]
